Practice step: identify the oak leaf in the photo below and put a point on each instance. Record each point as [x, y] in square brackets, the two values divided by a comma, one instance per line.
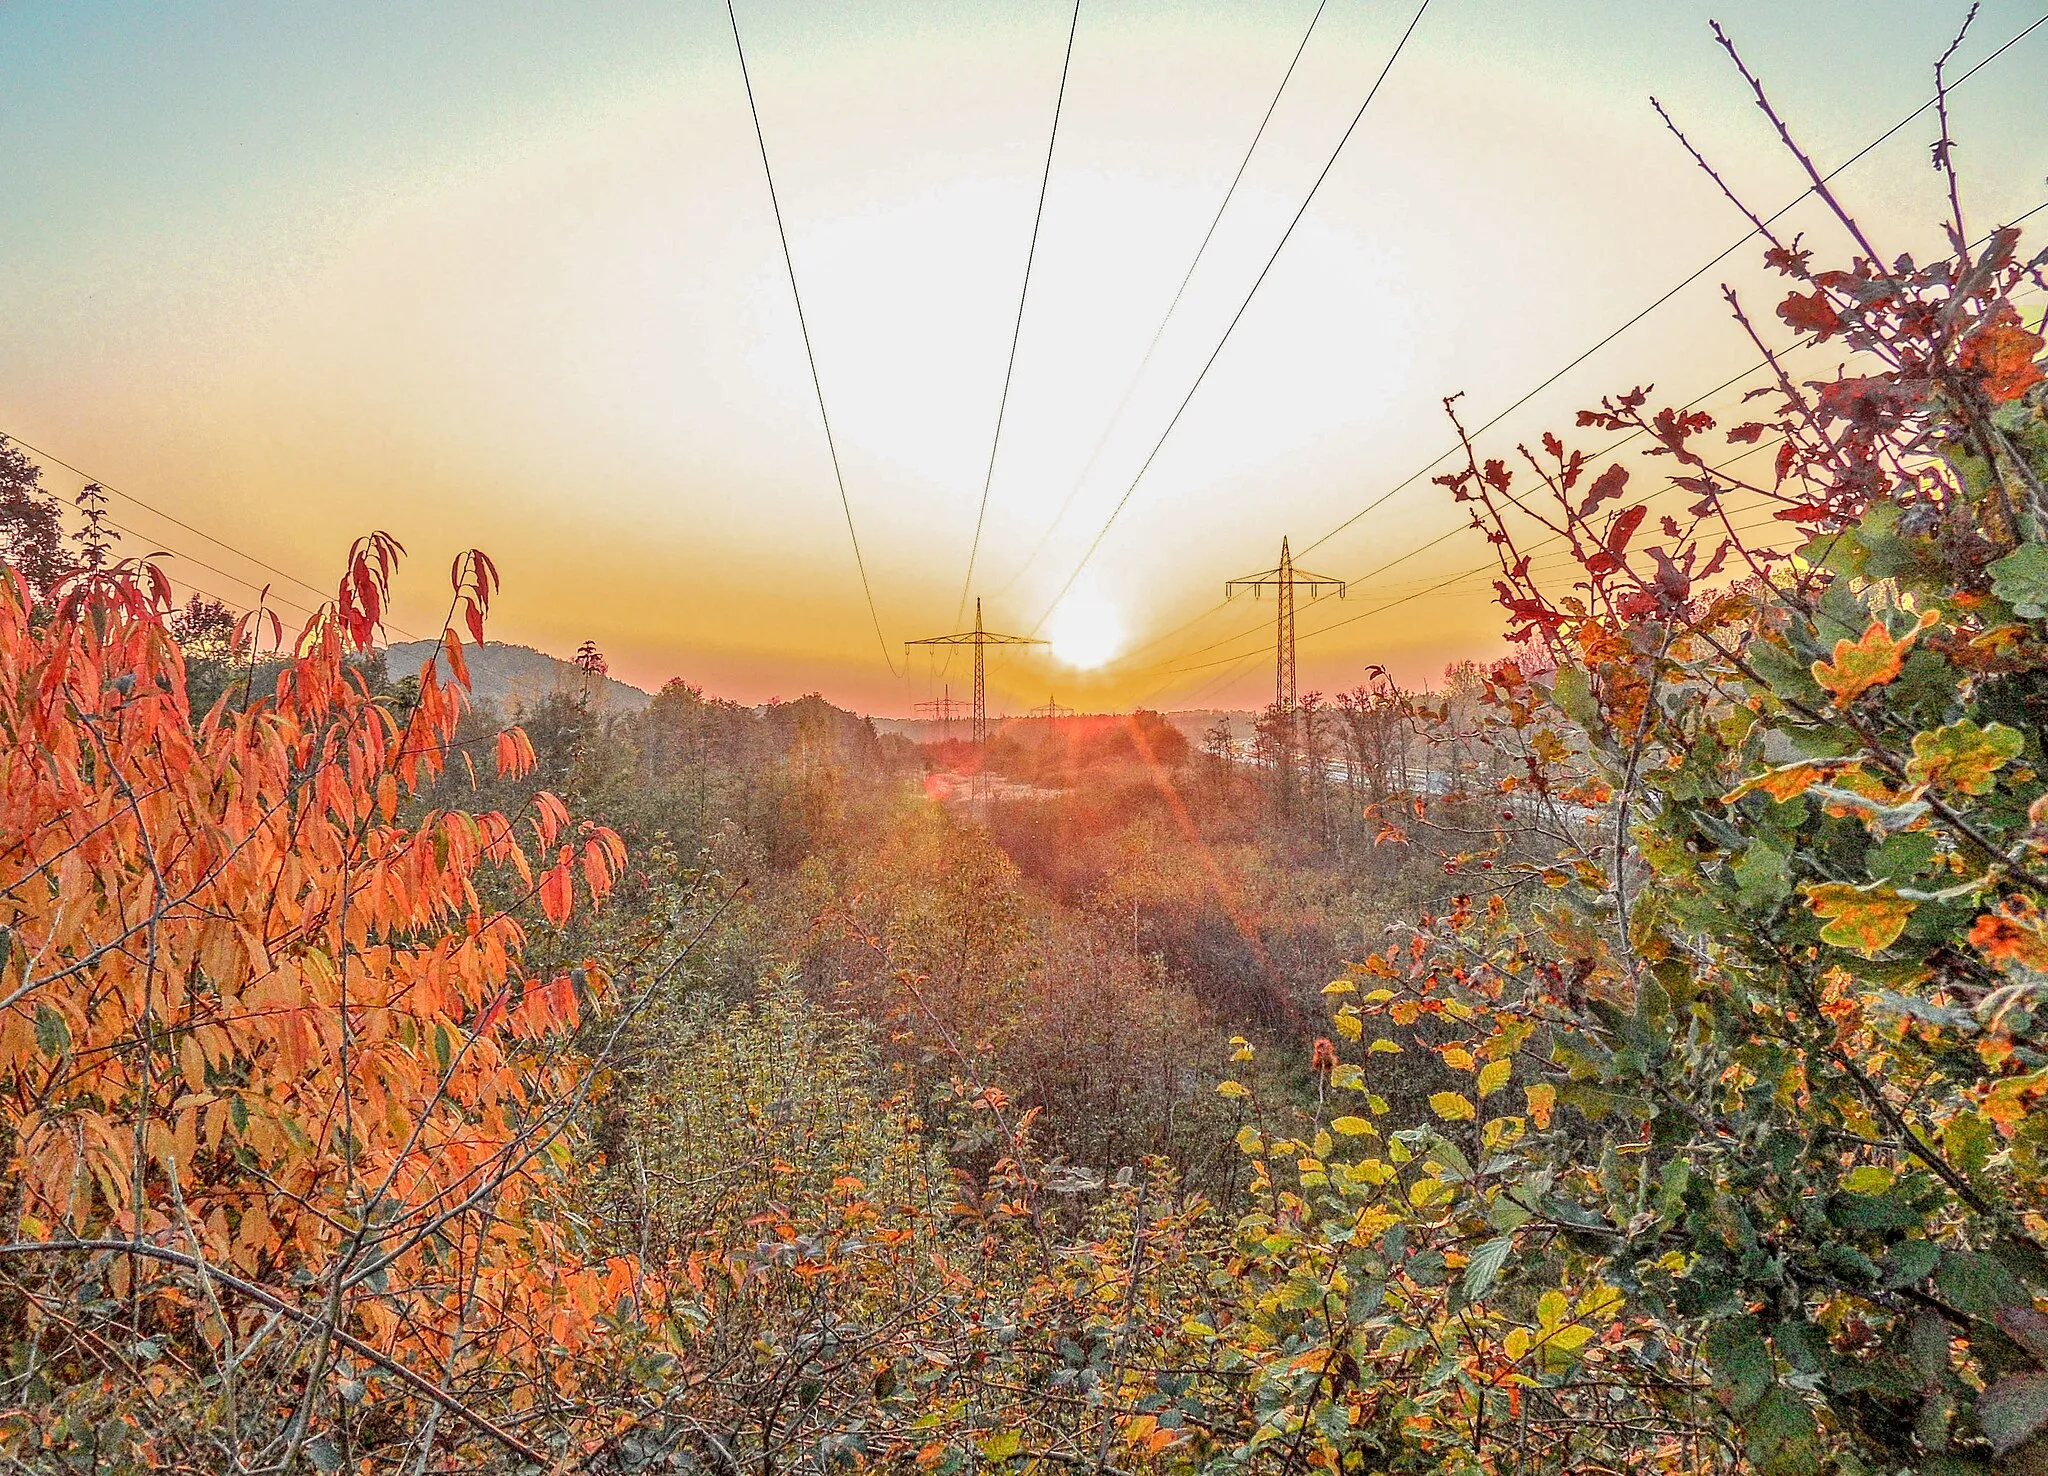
[1867, 919]
[1869, 662]
[1963, 756]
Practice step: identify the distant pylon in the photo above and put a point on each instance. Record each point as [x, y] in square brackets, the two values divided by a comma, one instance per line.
[980, 639]
[1284, 578]
[944, 709]
[1051, 709]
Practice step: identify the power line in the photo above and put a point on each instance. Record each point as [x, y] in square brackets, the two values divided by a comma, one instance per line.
[1116, 416]
[1017, 330]
[1736, 246]
[1606, 450]
[167, 547]
[803, 326]
[1238, 316]
[55, 460]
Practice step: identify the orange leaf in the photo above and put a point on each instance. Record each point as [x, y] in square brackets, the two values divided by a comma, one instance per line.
[1870, 662]
[558, 893]
[1788, 781]
[451, 646]
[2003, 352]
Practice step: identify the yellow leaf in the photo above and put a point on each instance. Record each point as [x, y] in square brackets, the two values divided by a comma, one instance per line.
[1427, 1191]
[1601, 1301]
[1542, 1102]
[1551, 1308]
[1870, 662]
[1002, 1445]
[1868, 920]
[1453, 1107]
[1383, 1047]
[1350, 1127]
[1494, 1076]
[1457, 1058]
[1963, 756]
[1518, 1341]
[1233, 1089]
[1569, 1338]
[1868, 1179]
[1340, 986]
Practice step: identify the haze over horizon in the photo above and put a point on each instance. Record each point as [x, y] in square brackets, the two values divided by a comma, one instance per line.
[508, 277]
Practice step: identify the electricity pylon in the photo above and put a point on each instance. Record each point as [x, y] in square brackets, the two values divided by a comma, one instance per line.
[1052, 709]
[1286, 579]
[944, 710]
[980, 639]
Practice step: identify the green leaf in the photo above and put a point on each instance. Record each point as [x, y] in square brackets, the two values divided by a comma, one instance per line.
[323, 1453]
[1740, 1361]
[1902, 857]
[53, 1035]
[2014, 1410]
[1872, 1212]
[2021, 580]
[1573, 693]
[1761, 877]
[2026, 1327]
[1783, 1437]
[1977, 1283]
[1908, 1262]
[1484, 1268]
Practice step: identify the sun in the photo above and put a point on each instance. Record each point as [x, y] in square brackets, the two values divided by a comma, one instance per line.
[1086, 630]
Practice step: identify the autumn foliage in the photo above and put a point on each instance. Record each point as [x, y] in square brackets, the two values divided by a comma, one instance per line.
[282, 1111]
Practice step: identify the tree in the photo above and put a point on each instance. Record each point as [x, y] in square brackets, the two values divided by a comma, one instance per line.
[287, 1125]
[31, 524]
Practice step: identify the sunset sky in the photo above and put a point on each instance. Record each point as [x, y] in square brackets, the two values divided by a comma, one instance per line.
[506, 275]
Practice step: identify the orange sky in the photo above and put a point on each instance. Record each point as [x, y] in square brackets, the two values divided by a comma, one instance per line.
[507, 276]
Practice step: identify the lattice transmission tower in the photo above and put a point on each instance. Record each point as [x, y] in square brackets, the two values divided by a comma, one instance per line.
[943, 710]
[981, 639]
[1285, 579]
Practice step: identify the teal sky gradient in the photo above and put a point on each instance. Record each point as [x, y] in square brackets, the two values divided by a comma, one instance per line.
[504, 274]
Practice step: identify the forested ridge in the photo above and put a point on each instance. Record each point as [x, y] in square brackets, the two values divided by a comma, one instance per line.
[1625, 1058]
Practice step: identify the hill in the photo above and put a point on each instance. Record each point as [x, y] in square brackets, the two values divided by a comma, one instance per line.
[512, 677]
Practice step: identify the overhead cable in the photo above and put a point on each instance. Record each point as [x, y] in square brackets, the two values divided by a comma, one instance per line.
[803, 325]
[1017, 329]
[1236, 317]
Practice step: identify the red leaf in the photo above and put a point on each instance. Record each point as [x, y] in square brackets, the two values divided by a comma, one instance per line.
[1624, 528]
[1810, 313]
[1606, 487]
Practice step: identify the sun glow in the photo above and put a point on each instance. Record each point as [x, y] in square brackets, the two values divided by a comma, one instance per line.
[1086, 630]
